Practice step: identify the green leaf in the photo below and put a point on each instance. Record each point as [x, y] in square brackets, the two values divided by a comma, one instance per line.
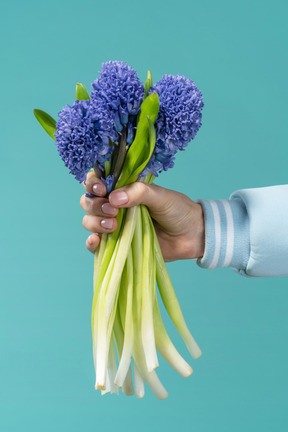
[46, 121]
[149, 77]
[147, 152]
[140, 150]
[81, 92]
[148, 84]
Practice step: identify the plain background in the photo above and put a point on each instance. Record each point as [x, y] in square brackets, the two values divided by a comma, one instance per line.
[236, 52]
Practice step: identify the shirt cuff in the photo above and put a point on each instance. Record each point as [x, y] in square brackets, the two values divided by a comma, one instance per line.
[227, 237]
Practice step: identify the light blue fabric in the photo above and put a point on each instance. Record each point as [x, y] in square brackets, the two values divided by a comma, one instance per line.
[248, 232]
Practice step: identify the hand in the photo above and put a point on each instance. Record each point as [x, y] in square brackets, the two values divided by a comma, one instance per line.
[178, 221]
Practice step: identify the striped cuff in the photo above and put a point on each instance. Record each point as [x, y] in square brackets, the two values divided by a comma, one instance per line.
[227, 239]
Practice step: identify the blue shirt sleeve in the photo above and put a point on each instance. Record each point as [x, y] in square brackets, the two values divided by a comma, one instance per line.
[248, 232]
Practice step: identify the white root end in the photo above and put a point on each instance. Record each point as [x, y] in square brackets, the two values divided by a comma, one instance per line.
[139, 383]
[127, 387]
[192, 345]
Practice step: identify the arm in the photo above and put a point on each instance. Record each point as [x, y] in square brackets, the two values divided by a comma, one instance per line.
[248, 232]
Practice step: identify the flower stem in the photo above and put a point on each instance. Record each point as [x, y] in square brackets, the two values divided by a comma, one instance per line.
[165, 346]
[170, 300]
[98, 172]
[127, 387]
[125, 302]
[119, 156]
[109, 294]
[148, 282]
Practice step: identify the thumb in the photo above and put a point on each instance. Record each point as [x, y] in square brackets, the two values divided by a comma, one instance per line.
[154, 197]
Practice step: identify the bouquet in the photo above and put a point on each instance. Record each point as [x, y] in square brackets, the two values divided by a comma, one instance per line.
[126, 132]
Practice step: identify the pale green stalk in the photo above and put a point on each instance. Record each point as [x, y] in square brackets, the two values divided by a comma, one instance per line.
[127, 387]
[148, 282]
[100, 330]
[139, 383]
[140, 369]
[110, 338]
[137, 266]
[111, 284]
[172, 305]
[137, 276]
[122, 303]
[165, 346]
[170, 300]
[126, 300]
[106, 254]
[98, 256]
[110, 387]
[150, 377]
[124, 246]
[163, 343]
[107, 385]
[112, 367]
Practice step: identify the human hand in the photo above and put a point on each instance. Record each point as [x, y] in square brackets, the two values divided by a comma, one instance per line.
[178, 221]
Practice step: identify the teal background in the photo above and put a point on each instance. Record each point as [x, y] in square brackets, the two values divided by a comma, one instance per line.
[236, 52]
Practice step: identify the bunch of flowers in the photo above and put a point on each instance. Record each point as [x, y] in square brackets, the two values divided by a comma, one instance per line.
[126, 131]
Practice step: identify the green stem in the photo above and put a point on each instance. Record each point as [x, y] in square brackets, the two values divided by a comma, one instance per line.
[165, 346]
[109, 291]
[126, 313]
[140, 369]
[103, 263]
[127, 387]
[119, 156]
[148, 282]
[98, 172]
[169, 297]
[107, 166]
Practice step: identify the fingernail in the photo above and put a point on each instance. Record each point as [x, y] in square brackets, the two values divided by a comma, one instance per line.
[106, 223]
[90, 241]
[108, 209]
[98, 189]
[119, 197]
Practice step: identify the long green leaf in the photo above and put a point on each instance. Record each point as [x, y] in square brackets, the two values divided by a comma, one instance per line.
[46, 121]
[81, 92]
[147, 152]
[139, 151]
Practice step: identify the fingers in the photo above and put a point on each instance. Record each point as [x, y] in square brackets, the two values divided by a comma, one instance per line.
[92, 242]
[94, 186]
[154, 197]
[98, 206]
[97, 224]
[101, 215]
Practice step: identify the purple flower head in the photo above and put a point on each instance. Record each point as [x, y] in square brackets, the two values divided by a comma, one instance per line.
[103, 125]
[75, 139]
[121, 92]
[82, 137]
[108, 182]
[178, 121]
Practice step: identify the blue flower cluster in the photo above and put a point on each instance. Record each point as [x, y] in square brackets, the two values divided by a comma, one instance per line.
[121, 92]
[75, 139]
[87, 130]
[178, 121]
[84, 131]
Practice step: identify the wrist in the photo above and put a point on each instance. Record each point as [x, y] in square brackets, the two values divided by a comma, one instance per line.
[193, 245]
[199, 234]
